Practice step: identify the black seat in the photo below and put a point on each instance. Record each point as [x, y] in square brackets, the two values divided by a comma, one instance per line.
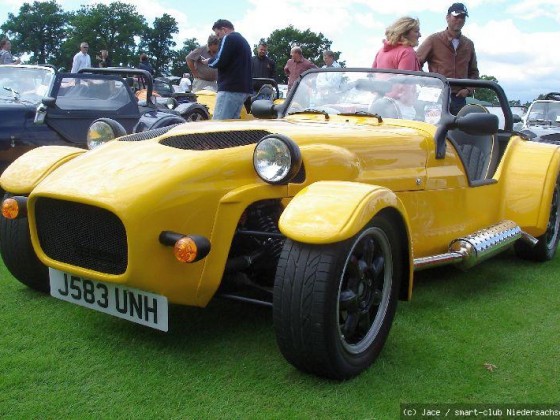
[386, 108]
[266, 91]
[479, 153]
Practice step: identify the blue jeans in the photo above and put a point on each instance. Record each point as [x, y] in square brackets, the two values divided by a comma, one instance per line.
[228, 105]
[456, 103]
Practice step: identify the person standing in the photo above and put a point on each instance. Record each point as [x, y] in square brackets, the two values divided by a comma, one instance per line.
[145, 64]
[185, 84]
[397, 51]
[296, 66]
[103, 59]
[261, 64]
[451, 54]
[329, 82]
[81, 59]
[204, 76]
[233, 62]
[6, 54]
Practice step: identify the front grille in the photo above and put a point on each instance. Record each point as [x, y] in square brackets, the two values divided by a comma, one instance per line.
[214, 141]
[81, 235]
[147, 135]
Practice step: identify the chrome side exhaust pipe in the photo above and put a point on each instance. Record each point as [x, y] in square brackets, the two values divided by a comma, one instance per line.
[470, 250]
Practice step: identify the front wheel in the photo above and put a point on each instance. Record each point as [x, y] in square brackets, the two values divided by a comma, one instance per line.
[548, 241]
[18, 254]
[334, 304]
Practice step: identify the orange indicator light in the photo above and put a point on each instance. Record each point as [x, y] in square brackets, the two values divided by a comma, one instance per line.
[185, 250]
[10, 208]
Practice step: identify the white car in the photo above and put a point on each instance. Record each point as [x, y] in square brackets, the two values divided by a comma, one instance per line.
[542, 121]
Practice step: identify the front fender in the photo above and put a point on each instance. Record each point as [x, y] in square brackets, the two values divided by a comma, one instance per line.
[332, 211]
[24, 173]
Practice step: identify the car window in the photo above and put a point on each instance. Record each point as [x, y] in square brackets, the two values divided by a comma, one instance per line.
[92, 94]
[25, 83]
[389, 95]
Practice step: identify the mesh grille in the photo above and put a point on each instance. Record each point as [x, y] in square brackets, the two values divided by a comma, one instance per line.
[147, 135]
[81, 235]
[214, 141]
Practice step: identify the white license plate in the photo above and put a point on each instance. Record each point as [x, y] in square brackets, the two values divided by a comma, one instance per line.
[124, 302]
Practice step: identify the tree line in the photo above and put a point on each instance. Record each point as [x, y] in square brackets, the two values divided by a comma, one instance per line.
[50, 35]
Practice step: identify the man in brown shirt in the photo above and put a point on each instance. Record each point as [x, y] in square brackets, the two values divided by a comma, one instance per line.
[296, 66]
[451, 54]
[204, 76]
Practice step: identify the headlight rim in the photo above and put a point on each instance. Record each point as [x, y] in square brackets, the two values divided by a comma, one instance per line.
[294, 154]
[117, 130]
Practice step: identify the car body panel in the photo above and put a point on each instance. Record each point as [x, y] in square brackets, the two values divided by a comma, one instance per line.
[25, 173]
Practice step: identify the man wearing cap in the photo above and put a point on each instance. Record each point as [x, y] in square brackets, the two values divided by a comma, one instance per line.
[451, 54]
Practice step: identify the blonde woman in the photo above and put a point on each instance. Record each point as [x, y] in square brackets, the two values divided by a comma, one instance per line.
[398, 46]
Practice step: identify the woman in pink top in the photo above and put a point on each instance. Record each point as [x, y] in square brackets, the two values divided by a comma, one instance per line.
[398, 47]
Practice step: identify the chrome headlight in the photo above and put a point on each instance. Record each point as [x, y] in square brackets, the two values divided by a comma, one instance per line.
[171, 103]
[277, 159]
[103, 130]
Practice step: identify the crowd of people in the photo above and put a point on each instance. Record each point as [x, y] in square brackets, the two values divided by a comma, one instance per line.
[225, 63]
[448, 53]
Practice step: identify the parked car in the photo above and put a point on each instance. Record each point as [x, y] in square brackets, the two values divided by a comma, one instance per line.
[156, 93]
[323, 209]
[542, 120]
[41, 107]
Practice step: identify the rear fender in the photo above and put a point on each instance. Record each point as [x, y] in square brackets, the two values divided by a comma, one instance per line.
[532, 169]
[183, 108]
[27, 171]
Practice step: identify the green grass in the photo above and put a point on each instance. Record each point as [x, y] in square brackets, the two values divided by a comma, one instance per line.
[58, 360]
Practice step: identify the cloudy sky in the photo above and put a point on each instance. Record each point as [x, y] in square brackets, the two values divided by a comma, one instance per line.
[515, 40]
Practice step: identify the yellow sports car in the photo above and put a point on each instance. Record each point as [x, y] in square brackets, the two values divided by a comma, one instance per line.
[322, 207]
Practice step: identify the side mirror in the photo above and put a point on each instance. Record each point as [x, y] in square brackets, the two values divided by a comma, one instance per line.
[475, 123]
[49, 101]
[264, 109]
[517, 119]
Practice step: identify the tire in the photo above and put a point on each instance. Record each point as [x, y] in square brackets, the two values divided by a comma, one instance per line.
[334, 304]
[548, 242]
[166, 121]
[18, 254]
[194, 115]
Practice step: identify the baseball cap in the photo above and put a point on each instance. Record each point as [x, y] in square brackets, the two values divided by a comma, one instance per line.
[457, 9]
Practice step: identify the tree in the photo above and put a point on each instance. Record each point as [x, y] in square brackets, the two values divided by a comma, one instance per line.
[159, 41]
[486, 95]
[112, 27]
[38, 29]
[179, 63]
[281, 41]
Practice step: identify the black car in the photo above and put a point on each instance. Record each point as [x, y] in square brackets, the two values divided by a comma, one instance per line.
[42, 107]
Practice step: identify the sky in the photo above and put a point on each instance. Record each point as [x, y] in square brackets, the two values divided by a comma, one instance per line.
[515, 40]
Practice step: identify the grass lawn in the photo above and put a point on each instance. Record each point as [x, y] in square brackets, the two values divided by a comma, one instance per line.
[59, 360]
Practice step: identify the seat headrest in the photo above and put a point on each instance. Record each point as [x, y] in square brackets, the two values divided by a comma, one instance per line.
[471, 109]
